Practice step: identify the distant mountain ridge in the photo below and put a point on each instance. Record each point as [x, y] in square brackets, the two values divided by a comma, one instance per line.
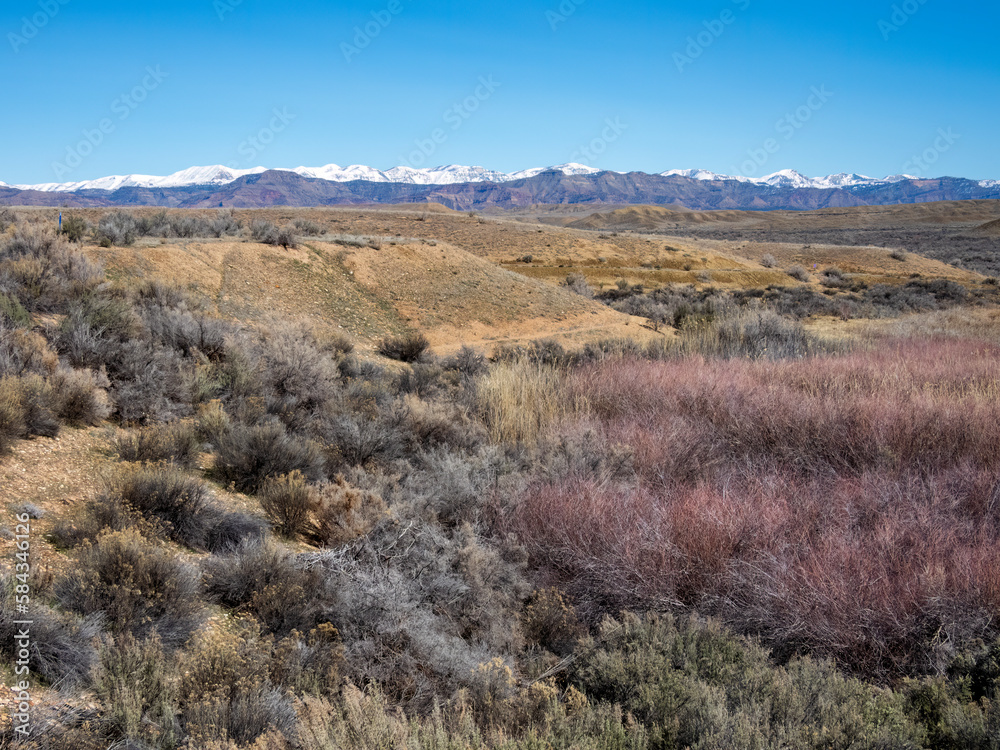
[472, 188]
[452, 174]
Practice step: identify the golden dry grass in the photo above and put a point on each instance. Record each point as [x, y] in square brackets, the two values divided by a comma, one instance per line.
[519, 400]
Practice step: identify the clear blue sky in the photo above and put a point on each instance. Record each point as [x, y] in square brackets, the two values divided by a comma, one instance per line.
[558, 78]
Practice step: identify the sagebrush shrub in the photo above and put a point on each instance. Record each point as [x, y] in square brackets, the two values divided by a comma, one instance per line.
[441, 423]
[182, 503]
[23, 352]
[28, 408]
[263, 231]
[438, 599]
[43, 272]
[138, 586]
[81, 397]
[242, 716]
[721, 691]
[308, 228]
[468, 361]
[62, 649]
[453, 488]
[297, 372]
[289, 503]
[100, 331]
[162, 501]
[577, 283]
[118, 228]
[147, 383]
[175, 443]
[248, 455]
[268, 233]
[187, 332]
[135, 685]
[343, 513]
[75, 228]
[750, 334]
[550, 621]
[545, 352]
[7, 217]
[358, 439]
[423, 379]
[227, 530]
[260, 579]
[12, 312]
[225, 223]
[799, 273]
[150, 293]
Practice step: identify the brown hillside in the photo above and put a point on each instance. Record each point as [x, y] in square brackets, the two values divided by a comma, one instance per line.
[441, 290]
[989, 229]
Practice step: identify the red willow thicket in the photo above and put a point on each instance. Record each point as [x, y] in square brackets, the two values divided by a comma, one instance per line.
[847, 506]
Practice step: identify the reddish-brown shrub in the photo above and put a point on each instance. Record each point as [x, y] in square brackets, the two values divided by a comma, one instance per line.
[931, 405]
[888, 574]
[846, 506]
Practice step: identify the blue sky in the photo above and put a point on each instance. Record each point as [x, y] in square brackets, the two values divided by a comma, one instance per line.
[94, 88]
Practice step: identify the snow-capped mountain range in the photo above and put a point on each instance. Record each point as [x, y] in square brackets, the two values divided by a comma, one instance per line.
[445, 175]
[789, 178]
[219, 175]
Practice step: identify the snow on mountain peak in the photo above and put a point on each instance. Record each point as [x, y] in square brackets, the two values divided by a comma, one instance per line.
[787, 178]
[448, 174]
[702, 174]
[790, 178]
[214, 175]
[218, 174]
